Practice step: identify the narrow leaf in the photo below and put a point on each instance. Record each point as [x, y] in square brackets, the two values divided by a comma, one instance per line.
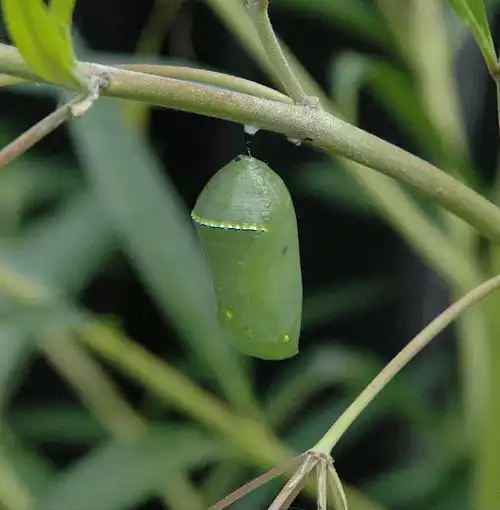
[158, 237]
[33, 469]
[58, 425]
[122, 475]
[43, 41]
[473, 14]
[62, 13]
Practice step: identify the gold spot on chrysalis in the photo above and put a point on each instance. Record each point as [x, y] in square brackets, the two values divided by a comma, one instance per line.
[228, 314]
[286, 339]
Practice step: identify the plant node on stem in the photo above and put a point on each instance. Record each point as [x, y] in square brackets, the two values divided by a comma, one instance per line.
[327, 483]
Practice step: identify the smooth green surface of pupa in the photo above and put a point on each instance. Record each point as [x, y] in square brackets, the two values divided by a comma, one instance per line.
[247, 227]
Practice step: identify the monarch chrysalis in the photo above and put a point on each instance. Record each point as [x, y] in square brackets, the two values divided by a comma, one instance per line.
[246, 224]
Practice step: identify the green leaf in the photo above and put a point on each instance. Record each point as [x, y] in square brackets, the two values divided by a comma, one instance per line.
[62, 13]
[56, 425]
[454, 492]
[122, 475]
[473, 14]
[158, 237]
[42, 36]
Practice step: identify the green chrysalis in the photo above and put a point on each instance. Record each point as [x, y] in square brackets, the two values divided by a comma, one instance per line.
[246, 224]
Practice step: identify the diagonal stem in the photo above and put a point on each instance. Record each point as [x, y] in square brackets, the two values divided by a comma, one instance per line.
[74, 108]
[338, 429]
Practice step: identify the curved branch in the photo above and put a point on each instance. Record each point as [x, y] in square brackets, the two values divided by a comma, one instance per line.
[297, 122]
[412, 348]
[225, 81]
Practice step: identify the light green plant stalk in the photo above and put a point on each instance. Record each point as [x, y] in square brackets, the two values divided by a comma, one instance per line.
[258, 10]
[399, 210]
[330, 439]
[485, 493]
[224, 81]
[297, 122]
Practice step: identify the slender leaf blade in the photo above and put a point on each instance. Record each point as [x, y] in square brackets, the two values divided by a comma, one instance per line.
[35, 470]
[121, 475]
[473, 14]
[44, 46]
[62, 13]
[158, 237]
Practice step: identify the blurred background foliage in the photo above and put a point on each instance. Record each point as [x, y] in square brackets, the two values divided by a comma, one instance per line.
[94, 226]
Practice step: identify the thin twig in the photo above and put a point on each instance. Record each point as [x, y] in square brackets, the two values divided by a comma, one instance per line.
[74, 108]
[322, 475]
[213, 78]
[336, 488]
[259, 11]
[296, 483]
[257, 482]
